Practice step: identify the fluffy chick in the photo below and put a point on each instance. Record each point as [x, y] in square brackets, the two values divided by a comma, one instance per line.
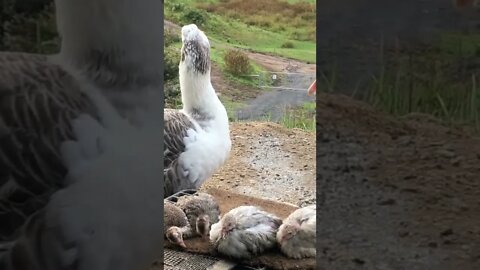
[244, 232]
[297, 235]
[201, 210]
[175, 224]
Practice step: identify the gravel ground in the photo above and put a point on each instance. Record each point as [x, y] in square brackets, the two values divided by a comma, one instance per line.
[269, 161]
[395, 193]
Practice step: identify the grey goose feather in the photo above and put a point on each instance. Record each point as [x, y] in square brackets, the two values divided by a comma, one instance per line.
[107, 45]
[35, 116]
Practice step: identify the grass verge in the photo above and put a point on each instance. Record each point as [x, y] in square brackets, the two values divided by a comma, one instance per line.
[302, 117]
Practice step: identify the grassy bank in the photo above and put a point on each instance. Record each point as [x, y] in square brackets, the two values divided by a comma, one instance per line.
[440, 79]
[251, 28]
[302, 117]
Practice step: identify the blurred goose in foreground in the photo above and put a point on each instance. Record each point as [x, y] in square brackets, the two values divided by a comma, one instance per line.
[202, 210]
[107, 215]
[107, 48]
[297, 234]
[244, 232]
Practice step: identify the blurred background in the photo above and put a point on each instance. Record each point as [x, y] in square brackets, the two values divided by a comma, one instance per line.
[403, 56]
[398, 145]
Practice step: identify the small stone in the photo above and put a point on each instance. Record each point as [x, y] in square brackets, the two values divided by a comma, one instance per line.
[409, 177]
[447, 232]
[387, 202]
[456, 161]
[358, 261]
[446, 153]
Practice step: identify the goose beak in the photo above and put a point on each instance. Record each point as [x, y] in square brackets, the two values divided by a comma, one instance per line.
[182, 244]
[313, 88]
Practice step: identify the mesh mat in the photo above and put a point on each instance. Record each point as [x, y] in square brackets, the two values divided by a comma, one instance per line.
[176, 260]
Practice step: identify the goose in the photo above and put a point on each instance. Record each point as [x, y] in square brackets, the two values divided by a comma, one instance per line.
[107, 46]
[197, 137]
[108, 214]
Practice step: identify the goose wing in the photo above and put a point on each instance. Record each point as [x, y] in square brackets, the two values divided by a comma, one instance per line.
[38, 99]
[176, 126]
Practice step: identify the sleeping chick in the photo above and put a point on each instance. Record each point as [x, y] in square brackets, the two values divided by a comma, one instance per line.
[201, 210]
[244, 232]
[297, 234]
[176, 224]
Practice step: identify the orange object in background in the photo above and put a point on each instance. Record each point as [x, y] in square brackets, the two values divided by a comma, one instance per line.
[466, 3]
[313, 88]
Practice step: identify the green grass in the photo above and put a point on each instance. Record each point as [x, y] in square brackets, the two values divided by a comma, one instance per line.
[438, 80]
[453, 103]
[302, 117]
[263, 41]
[226, 31]
[459, 45]
[217, 56]
[231, 107]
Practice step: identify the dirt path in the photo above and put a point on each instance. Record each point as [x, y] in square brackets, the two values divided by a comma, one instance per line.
[395, 193]
[291, 88]
[280, 64]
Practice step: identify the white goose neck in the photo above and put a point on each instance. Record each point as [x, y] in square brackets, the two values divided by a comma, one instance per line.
[198, 92]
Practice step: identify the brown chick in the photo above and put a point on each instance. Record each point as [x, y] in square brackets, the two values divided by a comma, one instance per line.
[201, 210]
[175, 224]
